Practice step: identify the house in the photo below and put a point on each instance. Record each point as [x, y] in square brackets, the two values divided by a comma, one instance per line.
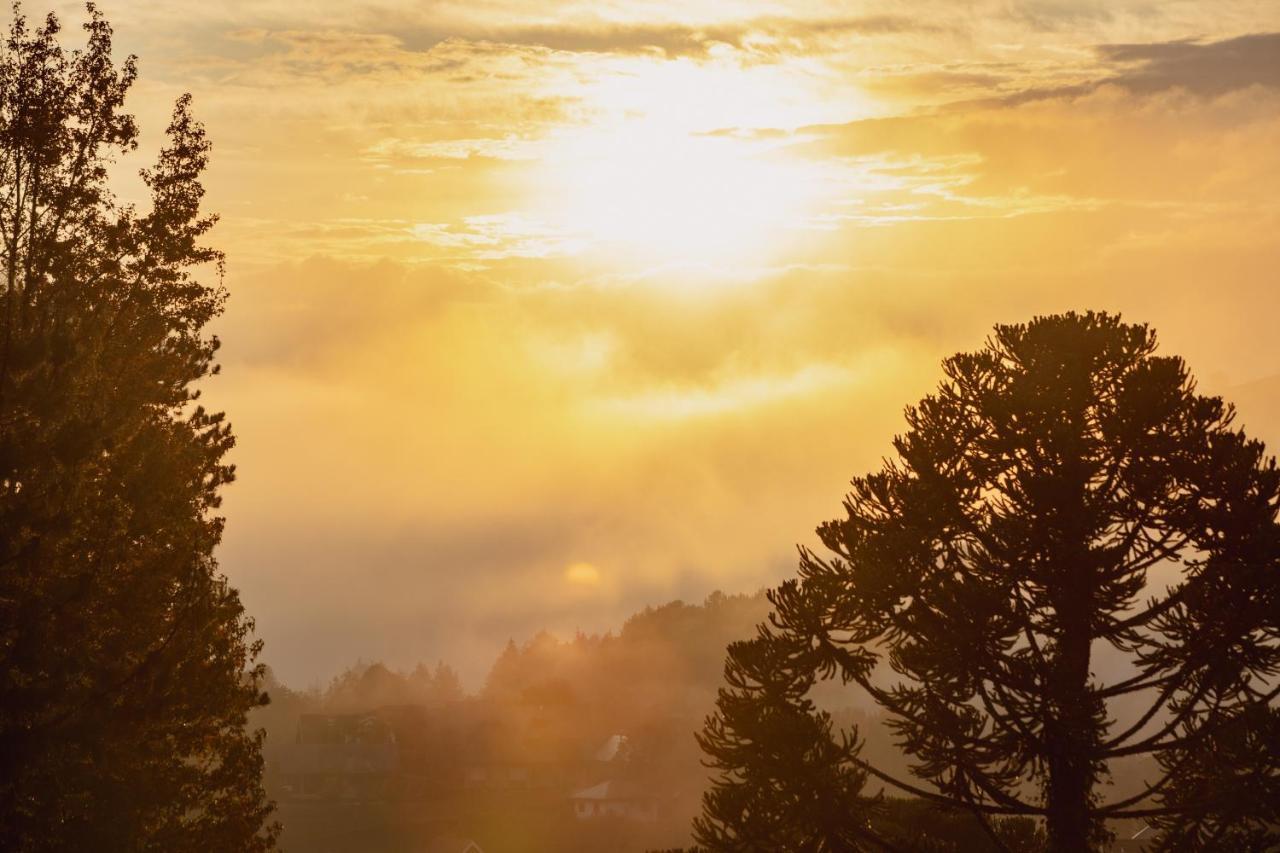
[340, 756]
[617, 799]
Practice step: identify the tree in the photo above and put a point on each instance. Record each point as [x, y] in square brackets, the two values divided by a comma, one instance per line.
[128, 665]
[924, 827]
[786, 782]
[1225, 795]
[446, 686]
[1073, 557]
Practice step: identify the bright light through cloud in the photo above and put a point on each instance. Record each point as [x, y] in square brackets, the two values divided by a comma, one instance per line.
[670, 172]
[582, 574]
[588, 308]
[664, 195]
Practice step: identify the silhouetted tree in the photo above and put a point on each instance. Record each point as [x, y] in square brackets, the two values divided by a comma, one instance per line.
[921, 826]
[785, 781]
[445, 685]
[127, 666]
[1065, 491]
[507, 676]
[1225, 793]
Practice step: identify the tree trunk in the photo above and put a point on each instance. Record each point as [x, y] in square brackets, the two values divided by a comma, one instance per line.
[1070, 731]
[1068, 806]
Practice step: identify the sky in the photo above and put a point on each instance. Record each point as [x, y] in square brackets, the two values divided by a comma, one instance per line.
[543, 312]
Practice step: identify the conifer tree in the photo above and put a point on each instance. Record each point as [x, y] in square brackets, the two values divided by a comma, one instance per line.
[787, 780]
[1067, 531]
[1225, 794]
[127, 665]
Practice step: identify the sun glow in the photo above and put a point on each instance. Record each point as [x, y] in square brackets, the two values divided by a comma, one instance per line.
[677, 176]
[670, 196]
[582, 574]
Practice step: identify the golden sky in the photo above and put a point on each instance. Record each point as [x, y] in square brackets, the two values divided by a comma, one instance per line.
[541, 312]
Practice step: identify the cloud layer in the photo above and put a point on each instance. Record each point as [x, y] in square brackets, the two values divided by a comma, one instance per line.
[520, 291]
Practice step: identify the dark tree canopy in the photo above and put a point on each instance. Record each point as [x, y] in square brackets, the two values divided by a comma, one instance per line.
[127, 666]
[788, 782]
[1225, 794]
[1066, 497]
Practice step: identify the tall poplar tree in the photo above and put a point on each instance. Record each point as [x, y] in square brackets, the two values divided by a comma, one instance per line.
[127, 665]
[1072, 558]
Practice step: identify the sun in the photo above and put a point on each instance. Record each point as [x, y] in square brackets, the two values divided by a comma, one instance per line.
[671, 196]
[674, 178]
[582, 574]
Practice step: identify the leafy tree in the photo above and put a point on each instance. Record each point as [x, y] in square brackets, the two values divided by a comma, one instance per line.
[127, 666]
[1065, 498]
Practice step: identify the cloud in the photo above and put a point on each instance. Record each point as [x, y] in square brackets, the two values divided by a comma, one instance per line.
[761, 36]
[499, 236]
[1210, 68]
[1062, 15]
[442, 405]
[457, 46]
[1106, 148]
[303, 316]
[1206, 69]
[508, 147]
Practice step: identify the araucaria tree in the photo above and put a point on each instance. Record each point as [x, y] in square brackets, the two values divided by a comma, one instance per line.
[127, 666]
[1072, 558]
[789, 781]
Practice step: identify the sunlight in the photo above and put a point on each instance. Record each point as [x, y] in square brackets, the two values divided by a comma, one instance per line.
[617, 384]
[582, 574]
[735, 395]
[670, 176]
[668, 196]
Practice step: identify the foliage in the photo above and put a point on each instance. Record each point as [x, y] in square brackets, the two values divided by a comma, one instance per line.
[365, 687]
[927, 827]
[665, 660]
[785, 782]
[1225, 794]
[1034, 509]
[128, 663]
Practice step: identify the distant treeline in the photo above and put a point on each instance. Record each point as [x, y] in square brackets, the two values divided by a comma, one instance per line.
[667, 660]
[500, 764]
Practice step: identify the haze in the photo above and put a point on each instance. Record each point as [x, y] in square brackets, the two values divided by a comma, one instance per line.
[541, 313]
